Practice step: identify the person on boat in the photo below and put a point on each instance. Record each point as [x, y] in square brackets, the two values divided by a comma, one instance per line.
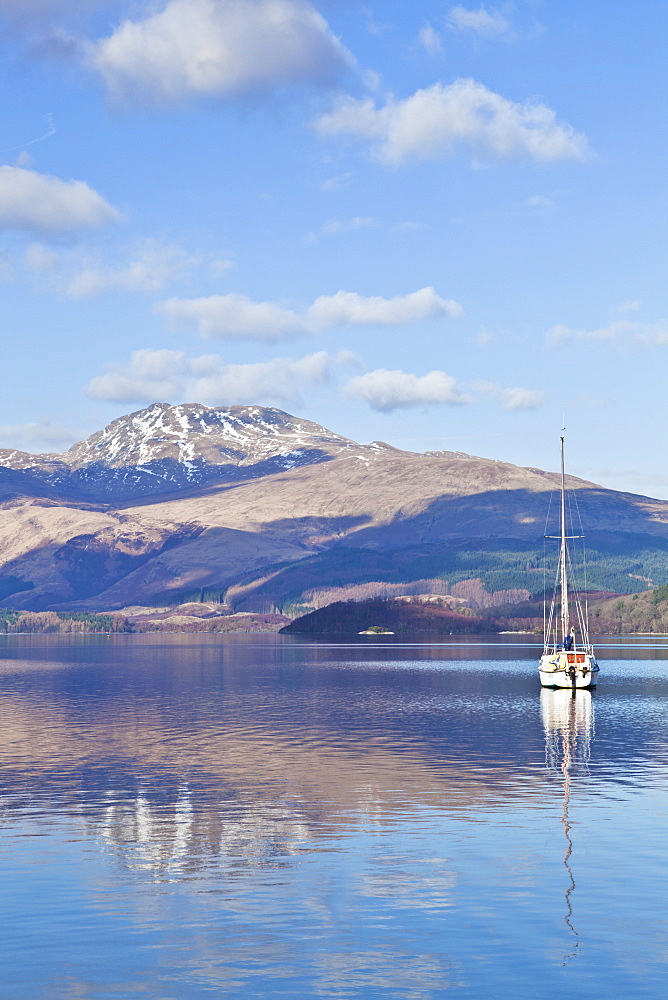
[568, 641]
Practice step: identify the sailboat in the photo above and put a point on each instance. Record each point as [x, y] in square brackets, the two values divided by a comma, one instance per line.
[568, 659]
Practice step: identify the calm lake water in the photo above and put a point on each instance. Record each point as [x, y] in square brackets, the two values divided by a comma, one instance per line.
[258, 816]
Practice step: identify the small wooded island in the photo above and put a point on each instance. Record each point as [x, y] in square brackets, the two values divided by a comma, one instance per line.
[436, 614]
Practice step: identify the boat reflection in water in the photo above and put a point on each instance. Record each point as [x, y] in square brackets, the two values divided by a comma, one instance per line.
[568, 720]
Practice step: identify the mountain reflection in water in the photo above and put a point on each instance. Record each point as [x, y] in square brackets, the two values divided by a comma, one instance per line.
[264, 817]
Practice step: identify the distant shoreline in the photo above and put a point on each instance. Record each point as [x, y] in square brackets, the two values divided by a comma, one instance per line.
[413, 638]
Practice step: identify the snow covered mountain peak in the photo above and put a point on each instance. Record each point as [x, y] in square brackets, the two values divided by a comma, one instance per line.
[192, 432]
[166, 449]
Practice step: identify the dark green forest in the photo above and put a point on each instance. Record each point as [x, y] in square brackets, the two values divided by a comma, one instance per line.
[623, 563]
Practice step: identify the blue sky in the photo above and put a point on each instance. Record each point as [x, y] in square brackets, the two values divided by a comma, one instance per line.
[438, 225]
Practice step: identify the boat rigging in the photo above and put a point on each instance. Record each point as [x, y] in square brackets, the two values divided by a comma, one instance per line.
[568, 659]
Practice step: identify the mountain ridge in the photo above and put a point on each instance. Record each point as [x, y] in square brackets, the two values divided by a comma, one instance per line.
[142, 437]
[163, 448]
[175, 501]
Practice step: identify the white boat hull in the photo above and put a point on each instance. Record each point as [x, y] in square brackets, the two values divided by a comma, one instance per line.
[568, 670]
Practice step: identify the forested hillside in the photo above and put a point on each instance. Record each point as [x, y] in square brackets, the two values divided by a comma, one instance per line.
[643, 612]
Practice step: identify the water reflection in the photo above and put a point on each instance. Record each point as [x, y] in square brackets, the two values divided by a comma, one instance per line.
[179, 839]
[183, 755]
[173, 785]
[270, 819]
[568, 720]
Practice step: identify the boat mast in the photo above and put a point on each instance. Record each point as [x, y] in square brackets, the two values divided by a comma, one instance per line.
[565, 621]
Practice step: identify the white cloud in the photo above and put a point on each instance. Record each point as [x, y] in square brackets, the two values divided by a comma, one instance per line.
[514, 398]
[438, 120]
[336, 227]
[41, 203]
[520, 399]
[487, 24]
[386, 390]
[337, 183]
[154, 375]
[630, 307]
[485, 337]
[207, 48]
[219, 266]
[147, 266]
[372, 80]
[40, 259]
[646, 333]
[280, 380]
[235, 316]
[232, 316]
[650, 333]
[430, 40]
[540, 201]
[350, 309]
[35, 436]
[559, 334]
[151, 267]
[151, 376]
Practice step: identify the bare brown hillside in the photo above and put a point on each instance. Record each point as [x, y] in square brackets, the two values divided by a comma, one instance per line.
[336, 515]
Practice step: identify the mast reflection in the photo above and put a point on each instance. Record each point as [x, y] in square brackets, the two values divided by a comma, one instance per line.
[568, 721]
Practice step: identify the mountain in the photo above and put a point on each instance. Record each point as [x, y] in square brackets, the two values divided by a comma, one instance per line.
[260, 509]
[170, 449]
